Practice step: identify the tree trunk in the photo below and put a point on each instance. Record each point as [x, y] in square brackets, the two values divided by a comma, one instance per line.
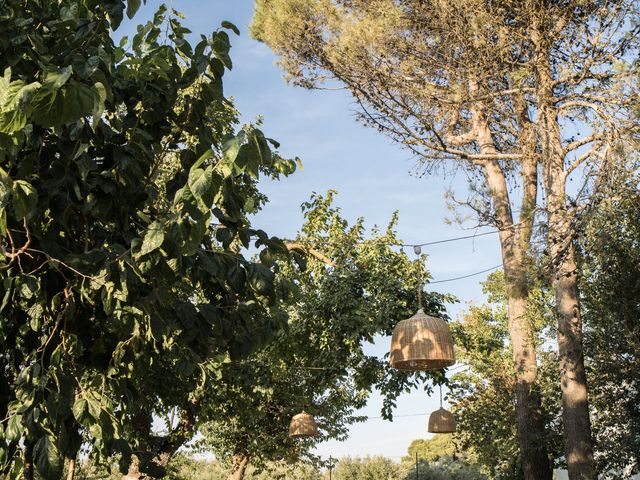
[134, 470]
[71, 469]
[240, 463]
[573, 380]
[514, 243]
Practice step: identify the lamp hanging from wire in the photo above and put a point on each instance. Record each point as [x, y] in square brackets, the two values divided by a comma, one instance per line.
[303, 425]
[442, 420]
[421, 342]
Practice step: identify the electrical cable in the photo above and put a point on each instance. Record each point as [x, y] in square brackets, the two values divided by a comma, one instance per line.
[466, 276]
[452, 239]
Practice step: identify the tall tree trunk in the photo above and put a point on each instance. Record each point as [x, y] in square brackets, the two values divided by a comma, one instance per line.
[514, 243]
[240, 463]
[573, 380]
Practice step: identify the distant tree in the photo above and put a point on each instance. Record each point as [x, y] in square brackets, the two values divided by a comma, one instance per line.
[446, 468]
[185, 467]
[432, 449]
[439, 457]
[529, 93]
[367, 468]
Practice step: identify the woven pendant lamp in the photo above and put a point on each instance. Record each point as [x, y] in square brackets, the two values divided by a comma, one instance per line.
[421, 342]
[303, 425]
[441, 421]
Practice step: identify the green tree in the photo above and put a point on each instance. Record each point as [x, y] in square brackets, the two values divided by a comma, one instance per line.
[610, 265]
[482, 395]
[121, 206]
[447, 468]
[353, 288]
[368, 468]
[524, 95]
[432, 449]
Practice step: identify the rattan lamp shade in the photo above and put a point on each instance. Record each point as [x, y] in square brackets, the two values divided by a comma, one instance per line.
[422, 342]
[441, 421]
[303, 425]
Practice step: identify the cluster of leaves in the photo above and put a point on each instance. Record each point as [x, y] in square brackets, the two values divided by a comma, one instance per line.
[119, 283]
[353, 289]
[610, 265]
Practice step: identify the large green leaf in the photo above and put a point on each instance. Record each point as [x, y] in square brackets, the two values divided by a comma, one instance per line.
[79, 101]
[132, 7]
[153, 239]
[47, 459]
[25, 198]
[14, 428]
[12, 121]
[56, 78]
[47, 107]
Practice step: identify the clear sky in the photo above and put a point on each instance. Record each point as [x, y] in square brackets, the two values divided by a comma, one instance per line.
[373, 176]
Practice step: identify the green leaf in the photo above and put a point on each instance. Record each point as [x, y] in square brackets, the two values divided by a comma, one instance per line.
[47, 107]
[47, 459]
[220, 46]
[79, 101]
[230, 26]
[153, 239]
[25, 198]
[56, 78]
[12, 121]
[80, 410]
[14, 428]
[101, 98]
[132, 7]
[200, 184]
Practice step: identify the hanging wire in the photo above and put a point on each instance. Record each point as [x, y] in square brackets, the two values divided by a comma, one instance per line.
[467, 276]
[452, 239]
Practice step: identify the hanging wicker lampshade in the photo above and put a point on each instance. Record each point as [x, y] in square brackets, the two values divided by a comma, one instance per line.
[303, 425]
[441, 421]
[422, 342]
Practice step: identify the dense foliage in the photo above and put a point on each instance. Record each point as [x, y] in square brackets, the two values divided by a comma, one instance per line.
[610, 264]
[355, 287]
[121, 202]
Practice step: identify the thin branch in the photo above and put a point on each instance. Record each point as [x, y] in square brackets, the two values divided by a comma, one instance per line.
[311, 251]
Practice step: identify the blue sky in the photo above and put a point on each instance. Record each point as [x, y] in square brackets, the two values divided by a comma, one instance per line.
[373, 176]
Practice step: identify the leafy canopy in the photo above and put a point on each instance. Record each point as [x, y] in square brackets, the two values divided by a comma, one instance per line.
[122, 203]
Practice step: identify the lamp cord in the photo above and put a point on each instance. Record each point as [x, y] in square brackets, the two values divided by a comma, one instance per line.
[417, 250]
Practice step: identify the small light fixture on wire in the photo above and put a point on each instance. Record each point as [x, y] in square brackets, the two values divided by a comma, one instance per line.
[442, 420]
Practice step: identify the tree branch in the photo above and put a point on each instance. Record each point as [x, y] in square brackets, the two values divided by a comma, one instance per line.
[310, 251]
